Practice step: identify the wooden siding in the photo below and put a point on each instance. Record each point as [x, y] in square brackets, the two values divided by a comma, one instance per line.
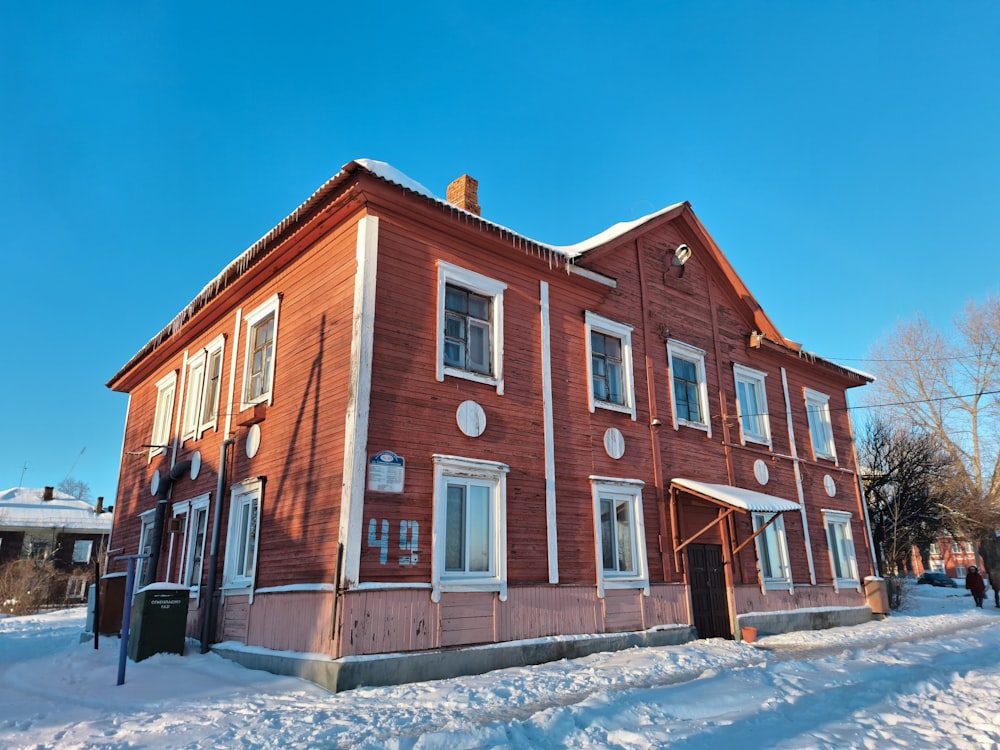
[292, 621]
[413, 414]
[750, 599]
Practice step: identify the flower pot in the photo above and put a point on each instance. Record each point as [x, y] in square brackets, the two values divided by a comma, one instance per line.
[748, 634]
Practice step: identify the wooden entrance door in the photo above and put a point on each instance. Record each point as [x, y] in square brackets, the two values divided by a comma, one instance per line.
[707, 579]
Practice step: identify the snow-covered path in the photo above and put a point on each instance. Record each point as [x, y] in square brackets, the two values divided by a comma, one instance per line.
[927, 677]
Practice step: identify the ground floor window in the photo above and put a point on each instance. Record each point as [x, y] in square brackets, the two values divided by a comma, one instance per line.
[619, 534]
[841, 543]
[145, 548]
[772, 551]
[470, 526]
[244, 532]
[191, 524]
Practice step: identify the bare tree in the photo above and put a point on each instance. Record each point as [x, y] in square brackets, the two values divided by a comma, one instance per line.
[948, 386]
[75, 487]
[905, 474]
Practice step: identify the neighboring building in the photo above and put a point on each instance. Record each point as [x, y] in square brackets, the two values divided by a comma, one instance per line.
[950, 556]
[47, 524]
[419, 429]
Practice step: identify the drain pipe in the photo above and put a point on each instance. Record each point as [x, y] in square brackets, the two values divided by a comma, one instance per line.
[208, 616]
[177, 471]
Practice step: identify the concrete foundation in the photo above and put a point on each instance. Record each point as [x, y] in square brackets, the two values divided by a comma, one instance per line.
[773, 623]
[395, 669]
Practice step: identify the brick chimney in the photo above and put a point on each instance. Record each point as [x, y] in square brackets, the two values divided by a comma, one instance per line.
[47, 493]
[463, 193]
[99, 508]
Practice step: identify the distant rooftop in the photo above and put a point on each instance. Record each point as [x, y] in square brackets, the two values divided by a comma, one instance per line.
[26, 507]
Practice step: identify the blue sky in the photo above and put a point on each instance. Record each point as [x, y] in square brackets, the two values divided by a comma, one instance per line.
[844, 155]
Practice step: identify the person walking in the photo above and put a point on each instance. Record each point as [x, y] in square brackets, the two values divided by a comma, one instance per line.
[974, 583]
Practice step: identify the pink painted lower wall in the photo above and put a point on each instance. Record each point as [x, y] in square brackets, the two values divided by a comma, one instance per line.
[389, 620]
[750, 599]
[292, 621]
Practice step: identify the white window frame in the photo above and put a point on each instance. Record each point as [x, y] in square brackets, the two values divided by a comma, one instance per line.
[146, 521]
[166, 390]
[76, 587]
[622, 332]
[628, 491]
[842, 548]
[243, 543]
[253, 320]
[469, 471]
[193, 389]
[772, 543]
[210, 420]
[754, 379]
[449, 274]
[189, 510]
[696, 356]
[820, 424]
[77, 545]
[199, 414]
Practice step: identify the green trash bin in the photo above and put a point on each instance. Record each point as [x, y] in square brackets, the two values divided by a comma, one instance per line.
[159, 621]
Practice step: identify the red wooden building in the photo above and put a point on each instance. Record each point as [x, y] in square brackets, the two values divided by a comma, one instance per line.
[415, 429]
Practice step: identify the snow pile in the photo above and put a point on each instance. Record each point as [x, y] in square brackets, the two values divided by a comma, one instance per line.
[924, 678]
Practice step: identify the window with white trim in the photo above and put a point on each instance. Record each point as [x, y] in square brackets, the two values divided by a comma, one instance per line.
[201, 399]
[82, 549]
[609, 364]
[841, 544]
[244, 534]
[820, 426]
[470, 326]
[165, 390]
[146, 520]
[192, 516]
[751, 405]
[619, 534]
[192, 396]
[470, 526]
[689, 388]
[262, 335]
[772, 551]
[213, 382]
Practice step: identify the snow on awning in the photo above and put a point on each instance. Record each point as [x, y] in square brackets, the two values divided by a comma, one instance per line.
[736, 497]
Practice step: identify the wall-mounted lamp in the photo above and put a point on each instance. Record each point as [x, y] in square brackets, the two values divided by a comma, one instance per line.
[681, 255]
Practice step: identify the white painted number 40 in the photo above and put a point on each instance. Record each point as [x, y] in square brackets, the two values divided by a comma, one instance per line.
[409, 534]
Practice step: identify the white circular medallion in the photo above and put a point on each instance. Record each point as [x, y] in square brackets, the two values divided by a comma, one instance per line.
[154, 483]
[253, 440]
[829, 485]
[471, 419]
[760, 472]
[614, 442]
[195, 464]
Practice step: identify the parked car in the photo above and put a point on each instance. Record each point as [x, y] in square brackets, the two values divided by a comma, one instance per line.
[937, 579]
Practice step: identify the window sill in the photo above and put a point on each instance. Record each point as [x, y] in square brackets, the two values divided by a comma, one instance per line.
[476, 377]
[625, 583]
[694, 426]
[457, 585]
[611, 406]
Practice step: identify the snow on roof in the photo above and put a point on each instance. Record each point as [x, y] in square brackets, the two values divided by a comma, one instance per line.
[24, 507]
[737, 497]
[391, 174]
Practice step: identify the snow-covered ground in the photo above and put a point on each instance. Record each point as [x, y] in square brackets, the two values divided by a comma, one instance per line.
[926, 677]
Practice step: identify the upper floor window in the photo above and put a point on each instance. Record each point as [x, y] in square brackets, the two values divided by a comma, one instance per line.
[751, 404]
[470, 326]
[620, 533]
[935, 549]
[820, 426]
[165, 390]
[772, 551]
[262, 334]
[201, 400]
[609, 364]
[470, 526]
[689, 391]
[841, 544]
[968, 547]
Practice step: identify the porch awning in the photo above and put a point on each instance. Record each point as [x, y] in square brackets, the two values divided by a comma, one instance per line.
[735, 497]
